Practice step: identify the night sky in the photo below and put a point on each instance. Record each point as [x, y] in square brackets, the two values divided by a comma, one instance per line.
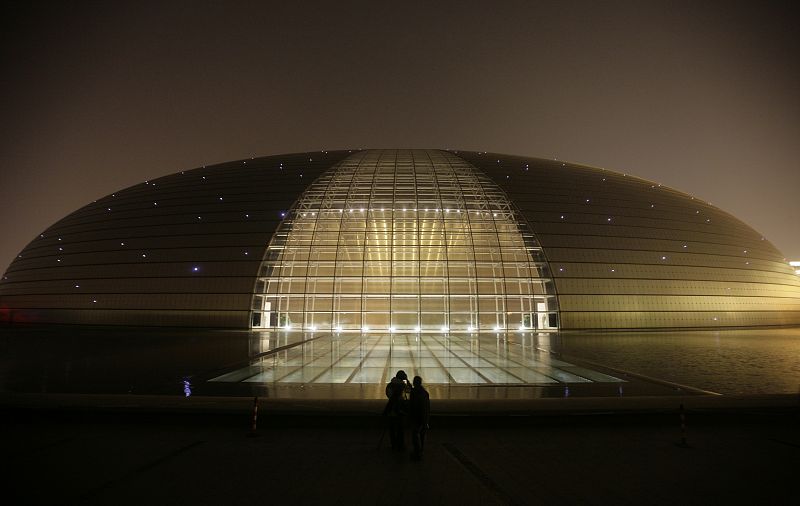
[700, 96]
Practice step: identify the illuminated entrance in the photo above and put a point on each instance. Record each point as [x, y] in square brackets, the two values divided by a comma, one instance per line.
[404, 241]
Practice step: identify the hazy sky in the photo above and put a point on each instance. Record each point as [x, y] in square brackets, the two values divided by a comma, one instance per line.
[700, 96]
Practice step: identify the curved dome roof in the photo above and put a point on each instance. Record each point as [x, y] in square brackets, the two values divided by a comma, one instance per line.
[560, 245]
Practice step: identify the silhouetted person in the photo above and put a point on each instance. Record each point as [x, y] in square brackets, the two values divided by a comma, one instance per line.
[420, 414]
[397, 408]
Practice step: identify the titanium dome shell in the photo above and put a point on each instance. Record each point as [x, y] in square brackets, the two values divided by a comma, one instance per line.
[531, 243]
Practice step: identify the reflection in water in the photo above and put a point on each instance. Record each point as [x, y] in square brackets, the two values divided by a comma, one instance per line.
[84, 359]
[731, 362]
[496, 359]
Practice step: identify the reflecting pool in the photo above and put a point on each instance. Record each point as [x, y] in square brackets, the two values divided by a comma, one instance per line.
[191, 362]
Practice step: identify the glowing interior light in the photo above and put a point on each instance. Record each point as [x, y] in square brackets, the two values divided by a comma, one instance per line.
[470, 329]
[445, 329]
[312, 328]
[338, 329]
[288, 326]
[522, 328]
[391, 329]
[795, 263]
[497, 329]
[364, 329]
[417, 329]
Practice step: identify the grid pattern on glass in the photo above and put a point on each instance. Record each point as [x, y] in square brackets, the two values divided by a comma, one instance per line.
[403, 241]
[438, 359]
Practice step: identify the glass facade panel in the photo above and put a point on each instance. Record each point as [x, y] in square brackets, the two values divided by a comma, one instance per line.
[403, 241]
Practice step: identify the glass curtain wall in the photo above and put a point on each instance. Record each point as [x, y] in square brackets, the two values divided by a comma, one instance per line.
[403, 241]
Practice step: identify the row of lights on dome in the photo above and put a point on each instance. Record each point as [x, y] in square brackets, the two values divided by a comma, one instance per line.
[393, 330]
[404, 209]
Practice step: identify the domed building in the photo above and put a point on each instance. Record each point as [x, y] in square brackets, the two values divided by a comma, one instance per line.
[401, 241]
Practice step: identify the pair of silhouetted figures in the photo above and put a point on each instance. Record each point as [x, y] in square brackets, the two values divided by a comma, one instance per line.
[411, 403]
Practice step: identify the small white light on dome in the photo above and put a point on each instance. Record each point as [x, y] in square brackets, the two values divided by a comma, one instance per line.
[94, 301]
[195, 269]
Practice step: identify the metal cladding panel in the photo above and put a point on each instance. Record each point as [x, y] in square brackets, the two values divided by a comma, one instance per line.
[182, 250]
[626, 253]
